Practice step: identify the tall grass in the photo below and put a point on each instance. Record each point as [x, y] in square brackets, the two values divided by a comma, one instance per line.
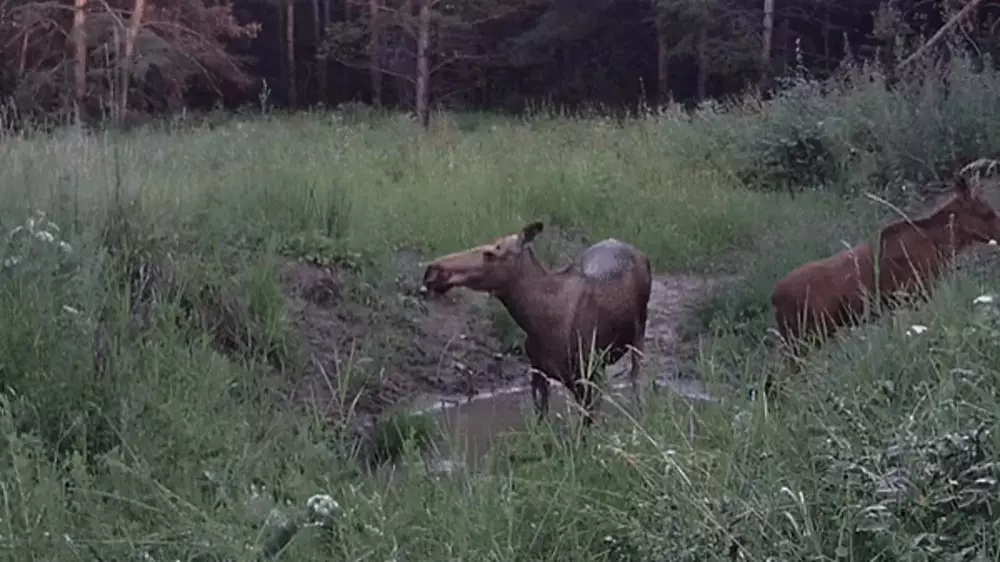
[128, 434]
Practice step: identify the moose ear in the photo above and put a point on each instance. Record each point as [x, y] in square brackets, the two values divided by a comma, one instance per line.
[529, 232]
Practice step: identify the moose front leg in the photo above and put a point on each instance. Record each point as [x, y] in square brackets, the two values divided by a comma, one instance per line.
[539, 378]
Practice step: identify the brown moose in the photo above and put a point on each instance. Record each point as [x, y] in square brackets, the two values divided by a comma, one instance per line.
[815, 300]
[597, 302]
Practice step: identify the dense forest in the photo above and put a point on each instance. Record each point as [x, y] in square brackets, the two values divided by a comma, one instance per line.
[98, 59]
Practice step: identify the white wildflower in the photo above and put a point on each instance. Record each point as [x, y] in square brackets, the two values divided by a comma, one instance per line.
[45, 236]
[984, 299]
[322, 505]
[276, 518]
[916, 329]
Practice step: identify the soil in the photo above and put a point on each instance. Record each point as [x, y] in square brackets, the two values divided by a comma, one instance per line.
[440, 346]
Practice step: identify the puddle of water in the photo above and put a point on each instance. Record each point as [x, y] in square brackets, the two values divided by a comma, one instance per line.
[471, 425]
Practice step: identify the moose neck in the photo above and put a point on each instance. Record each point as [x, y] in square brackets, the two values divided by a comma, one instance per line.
[902, 241]
[531, 298]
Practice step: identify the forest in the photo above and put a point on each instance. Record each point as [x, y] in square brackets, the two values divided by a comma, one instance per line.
[71, 59]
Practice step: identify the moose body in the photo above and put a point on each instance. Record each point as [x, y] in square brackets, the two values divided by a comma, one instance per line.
[599, 302]
[817, 299]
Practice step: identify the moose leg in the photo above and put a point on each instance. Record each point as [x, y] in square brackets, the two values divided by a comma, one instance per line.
[539, 380]
[588, 395]
[635, 352]
[540, 393]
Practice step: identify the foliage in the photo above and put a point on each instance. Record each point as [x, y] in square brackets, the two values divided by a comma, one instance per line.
[178, 447]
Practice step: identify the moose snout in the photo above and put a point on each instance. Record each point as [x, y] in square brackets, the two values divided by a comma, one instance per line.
[435, 279]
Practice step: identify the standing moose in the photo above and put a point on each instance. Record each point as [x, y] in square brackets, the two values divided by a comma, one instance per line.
[597, 302]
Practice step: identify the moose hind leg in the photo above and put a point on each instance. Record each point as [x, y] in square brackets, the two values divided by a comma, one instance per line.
[636, 351]
[540, 393]
[588, 395]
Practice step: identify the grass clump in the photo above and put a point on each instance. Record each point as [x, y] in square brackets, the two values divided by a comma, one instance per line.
[187, 353]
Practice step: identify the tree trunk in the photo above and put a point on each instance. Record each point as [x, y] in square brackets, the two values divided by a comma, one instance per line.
[782, 52]
[79, 57]
[290, 53]
[965, 11]
[702, 63]
[22, 59]
[423, 64]
[375, 51]
[662, 60]
[125, 68]
[324, 63]
[827, 27]
[318, 27]
[765, 53]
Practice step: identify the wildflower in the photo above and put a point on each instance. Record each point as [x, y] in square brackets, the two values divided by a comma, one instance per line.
[916, 329]
[984, 299]
[277, 518]
[322, 505]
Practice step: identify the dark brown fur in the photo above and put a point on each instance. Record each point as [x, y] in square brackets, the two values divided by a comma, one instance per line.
[817, 299]
[560, 311]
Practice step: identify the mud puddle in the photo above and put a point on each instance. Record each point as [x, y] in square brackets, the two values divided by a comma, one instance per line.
[470, 426]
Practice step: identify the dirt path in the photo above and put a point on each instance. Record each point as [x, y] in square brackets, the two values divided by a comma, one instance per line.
[669, 350]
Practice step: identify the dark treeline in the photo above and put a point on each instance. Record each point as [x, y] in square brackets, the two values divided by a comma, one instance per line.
[115, 58]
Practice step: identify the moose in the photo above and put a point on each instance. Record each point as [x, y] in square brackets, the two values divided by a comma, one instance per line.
[818, 298]
[597, 303]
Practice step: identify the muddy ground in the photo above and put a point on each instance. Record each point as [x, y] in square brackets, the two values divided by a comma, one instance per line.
[410, 346]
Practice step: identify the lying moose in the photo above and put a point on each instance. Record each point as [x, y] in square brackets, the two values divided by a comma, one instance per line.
[818, 298]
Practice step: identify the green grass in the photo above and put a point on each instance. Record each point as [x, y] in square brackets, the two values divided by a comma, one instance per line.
[145, 369]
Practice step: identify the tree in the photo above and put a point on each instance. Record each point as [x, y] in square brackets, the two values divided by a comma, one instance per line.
[720, 35]
[415, 40]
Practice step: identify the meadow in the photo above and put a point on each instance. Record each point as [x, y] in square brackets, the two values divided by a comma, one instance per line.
[151, 361]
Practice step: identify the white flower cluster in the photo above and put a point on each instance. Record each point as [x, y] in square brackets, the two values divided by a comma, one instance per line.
[985, 309]
[322, 506]
[37, 228]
